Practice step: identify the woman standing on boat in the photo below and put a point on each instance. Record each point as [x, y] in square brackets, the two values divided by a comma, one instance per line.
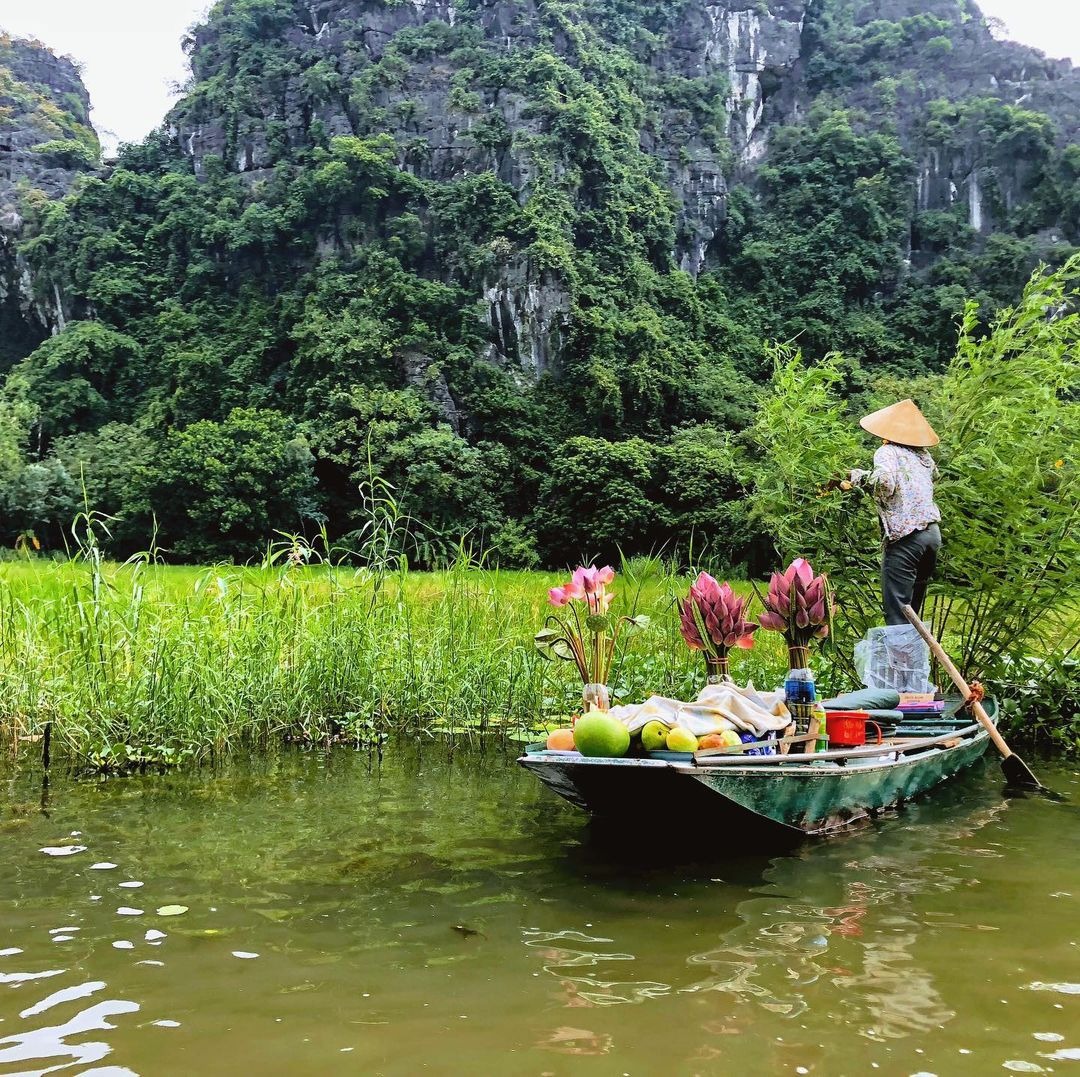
[902, 483]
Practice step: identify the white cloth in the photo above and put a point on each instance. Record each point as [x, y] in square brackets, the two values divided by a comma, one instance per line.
[717, 707]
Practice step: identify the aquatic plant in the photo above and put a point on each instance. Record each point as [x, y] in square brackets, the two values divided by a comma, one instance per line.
[586, 635]
[143, 665]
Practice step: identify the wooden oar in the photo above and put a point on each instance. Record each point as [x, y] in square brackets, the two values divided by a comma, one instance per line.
[1015, 769]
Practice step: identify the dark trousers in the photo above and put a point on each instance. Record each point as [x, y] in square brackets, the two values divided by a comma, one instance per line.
[906, 567]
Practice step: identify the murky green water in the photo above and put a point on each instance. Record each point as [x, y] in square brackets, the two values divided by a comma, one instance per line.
[324, 898]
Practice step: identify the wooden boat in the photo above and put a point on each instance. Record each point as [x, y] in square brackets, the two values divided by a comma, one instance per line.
[769, 796]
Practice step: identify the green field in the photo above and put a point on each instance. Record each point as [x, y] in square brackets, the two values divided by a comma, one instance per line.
[147, 664]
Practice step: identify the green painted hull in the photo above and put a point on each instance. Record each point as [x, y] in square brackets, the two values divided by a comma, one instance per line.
[816, 803]
[797, 797]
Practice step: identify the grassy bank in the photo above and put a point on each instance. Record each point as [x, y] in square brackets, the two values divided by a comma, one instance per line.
[146, 663]
[142, 664]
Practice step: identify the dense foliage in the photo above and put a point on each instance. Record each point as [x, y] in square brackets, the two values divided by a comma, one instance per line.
[248, 343]
[1007, 410]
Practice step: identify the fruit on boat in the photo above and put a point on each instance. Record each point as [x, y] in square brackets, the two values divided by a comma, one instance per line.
[561, 740]
[681, 740]
[654, 736]
[598, 734]
[726, 738]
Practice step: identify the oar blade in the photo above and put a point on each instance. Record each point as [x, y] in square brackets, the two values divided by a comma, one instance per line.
[1018, 773]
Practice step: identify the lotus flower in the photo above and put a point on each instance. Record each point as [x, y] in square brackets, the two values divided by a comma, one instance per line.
[798, 604]
[590, 640]
[591, 583]
[593, 580]
[688, 626]
[712, 618]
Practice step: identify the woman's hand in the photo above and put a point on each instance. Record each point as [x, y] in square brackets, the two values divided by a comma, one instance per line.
[834, 484]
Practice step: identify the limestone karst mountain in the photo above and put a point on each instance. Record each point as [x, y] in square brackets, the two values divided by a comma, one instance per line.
[513, 240]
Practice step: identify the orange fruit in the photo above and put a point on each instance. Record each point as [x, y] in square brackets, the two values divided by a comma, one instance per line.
[713, 740]
[562, 740]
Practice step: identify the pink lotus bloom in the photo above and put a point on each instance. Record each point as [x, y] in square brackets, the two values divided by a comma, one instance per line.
[557, 596]
[591, 583]
[797, 604]
[688, 626]
[799, 569]
[773, 622]
[591, 580]
[721, 612]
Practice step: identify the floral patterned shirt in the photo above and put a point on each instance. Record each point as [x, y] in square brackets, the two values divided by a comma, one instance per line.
[903, 486]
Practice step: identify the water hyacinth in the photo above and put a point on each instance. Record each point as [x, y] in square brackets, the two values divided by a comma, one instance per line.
[712, 619]
[798, 604]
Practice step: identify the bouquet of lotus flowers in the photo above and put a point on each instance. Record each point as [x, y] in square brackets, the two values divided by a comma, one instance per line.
[586, 634]
[799, 605]
[712, 619]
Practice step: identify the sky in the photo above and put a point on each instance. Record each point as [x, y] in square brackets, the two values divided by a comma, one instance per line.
[131, 56]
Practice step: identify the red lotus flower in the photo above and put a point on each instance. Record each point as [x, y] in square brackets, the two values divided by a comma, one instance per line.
[712, 618]
[798, 604]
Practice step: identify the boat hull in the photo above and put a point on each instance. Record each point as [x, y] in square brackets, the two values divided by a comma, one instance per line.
[793, 799]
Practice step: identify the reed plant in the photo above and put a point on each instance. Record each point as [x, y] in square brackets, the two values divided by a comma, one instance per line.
[143, 664]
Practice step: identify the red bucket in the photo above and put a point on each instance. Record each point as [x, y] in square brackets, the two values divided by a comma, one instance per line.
[847, 729]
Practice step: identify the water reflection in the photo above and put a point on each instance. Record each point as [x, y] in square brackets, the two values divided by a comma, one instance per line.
[421, 912]
[56, 1043]
[855, 928]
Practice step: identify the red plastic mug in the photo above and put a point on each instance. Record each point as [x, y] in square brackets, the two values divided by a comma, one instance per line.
[847, 729]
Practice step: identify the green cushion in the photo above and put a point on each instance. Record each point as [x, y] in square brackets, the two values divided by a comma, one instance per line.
[867, 699]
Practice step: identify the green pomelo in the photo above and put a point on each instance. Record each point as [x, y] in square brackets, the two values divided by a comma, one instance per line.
[731, 738]
[599, 734]
[681, 740]
[654, 736]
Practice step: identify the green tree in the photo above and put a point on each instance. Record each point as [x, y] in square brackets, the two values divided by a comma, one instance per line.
[221, 490]
[78, 379]
[599, 497]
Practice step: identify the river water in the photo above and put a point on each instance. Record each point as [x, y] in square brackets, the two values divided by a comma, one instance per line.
[454, 917]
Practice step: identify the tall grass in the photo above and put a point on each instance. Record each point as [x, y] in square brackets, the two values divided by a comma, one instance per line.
[142, 664]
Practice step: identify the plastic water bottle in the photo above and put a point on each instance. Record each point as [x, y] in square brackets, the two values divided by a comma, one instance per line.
[799, 695]
[799, 687]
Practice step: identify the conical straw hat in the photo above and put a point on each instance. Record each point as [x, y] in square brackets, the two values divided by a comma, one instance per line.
[902, 424]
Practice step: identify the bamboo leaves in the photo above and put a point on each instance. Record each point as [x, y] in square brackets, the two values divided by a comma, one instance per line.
[1008, 412]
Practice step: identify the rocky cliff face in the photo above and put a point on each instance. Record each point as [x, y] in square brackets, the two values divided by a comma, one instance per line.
[519, 259]
[468, 87]
[358, 66]
[46, 141]
[713, 78]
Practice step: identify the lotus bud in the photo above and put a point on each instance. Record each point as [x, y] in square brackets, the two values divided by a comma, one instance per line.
[688, 626]
[772, 621]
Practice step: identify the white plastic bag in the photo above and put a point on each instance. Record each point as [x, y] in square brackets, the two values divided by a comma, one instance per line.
[896, 657]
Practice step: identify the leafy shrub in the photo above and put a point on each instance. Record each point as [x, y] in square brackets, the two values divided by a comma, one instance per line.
[66, 153]
[1007, 410]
